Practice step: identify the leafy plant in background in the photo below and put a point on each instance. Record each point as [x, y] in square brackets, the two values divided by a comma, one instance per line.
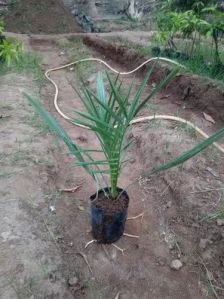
[9, 50]
[109, 116]
[214, 27]
[199, 24]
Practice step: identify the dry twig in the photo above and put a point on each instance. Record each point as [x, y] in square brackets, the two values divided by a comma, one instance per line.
[135, 217]
[86, 261]
[118, 248]
[90, 242]
[117, 296]
[130, 236]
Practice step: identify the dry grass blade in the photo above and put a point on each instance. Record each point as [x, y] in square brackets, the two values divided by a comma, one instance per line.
[118, 248]
[72, 190]
[117, 296]
[131, 236]
[86, 261]
[136, 217]
[208, 276]
[90, 242]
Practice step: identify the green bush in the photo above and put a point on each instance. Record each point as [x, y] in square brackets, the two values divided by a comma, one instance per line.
[202, 26]
[9, 50]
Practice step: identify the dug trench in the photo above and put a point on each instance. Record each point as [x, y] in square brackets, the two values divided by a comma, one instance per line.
[199, 93]
[176, 205]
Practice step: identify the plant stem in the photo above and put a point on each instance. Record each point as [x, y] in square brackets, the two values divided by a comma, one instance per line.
[217, 57]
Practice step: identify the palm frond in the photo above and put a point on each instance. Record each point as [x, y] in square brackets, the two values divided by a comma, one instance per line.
[189, 154]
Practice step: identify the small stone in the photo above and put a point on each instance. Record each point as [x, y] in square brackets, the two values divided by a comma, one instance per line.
[72, 281]
[62, 53]
[132, 160]
[81, 208]
[169, 204]
[176, 265]
[52, 209]
[153, 84]
[92, 78]
[220, 222]
[82, 138]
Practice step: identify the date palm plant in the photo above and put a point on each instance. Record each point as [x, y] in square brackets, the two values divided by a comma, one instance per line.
[109, 115]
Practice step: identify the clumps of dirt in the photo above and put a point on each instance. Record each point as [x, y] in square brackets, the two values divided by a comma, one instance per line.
[43, 16]
[109, 205]
[198, 93]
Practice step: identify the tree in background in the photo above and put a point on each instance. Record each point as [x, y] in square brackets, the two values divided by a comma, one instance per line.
[195, 20]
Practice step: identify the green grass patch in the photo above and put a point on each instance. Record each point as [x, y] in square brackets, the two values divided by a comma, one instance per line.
[27, 62]
[201, 61]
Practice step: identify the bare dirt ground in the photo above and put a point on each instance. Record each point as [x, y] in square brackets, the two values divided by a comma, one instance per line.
[42, 16]
[42, 252]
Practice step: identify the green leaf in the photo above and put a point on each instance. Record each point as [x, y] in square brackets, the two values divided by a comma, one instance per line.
[118, 98]
[133, 109]
[100, 88]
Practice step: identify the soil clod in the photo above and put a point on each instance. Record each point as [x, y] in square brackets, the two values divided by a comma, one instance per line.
[176, 265]
[73, 281]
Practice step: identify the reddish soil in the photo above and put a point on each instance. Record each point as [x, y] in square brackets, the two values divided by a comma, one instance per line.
[42, 16]
[110, 205]
[177, 204]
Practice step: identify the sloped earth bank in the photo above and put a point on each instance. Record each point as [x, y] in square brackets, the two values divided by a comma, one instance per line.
[42, 16]
[42, 252]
